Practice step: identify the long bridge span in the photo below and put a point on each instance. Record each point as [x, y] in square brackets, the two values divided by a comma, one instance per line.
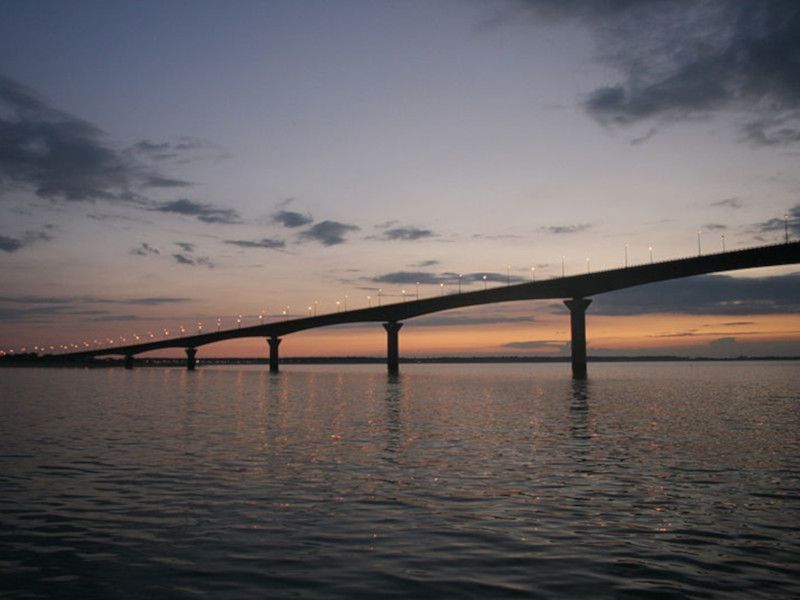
[574, 290]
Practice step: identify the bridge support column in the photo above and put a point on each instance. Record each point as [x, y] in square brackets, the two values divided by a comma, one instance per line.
[191, 363]
[129, 361]
[392, 346]
[273, 342]
[577, 320]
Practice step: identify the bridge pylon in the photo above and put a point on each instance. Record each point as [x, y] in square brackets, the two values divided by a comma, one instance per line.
[577, 320]
[129, 361]
[191, 363]
[392, 346]
[273, 341]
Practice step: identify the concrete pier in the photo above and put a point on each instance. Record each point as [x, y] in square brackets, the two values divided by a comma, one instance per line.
[273, 342]
[129, 361]
[190, 360]
[577, 319]
[392, 346]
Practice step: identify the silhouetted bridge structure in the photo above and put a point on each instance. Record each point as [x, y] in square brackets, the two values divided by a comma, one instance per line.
[574, 290]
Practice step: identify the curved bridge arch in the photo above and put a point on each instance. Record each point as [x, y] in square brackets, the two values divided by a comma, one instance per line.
[574, 289]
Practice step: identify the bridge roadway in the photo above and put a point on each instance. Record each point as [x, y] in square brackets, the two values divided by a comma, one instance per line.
[575, 289]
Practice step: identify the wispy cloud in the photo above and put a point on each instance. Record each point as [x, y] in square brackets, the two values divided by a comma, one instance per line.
[536, 345]
[407, 233]
[193, 261]
[424, 277]
[727, 203]
[14, 244]
[791, 222]
[207, 213]
[266, 243]
[329, 233]
[291, 219]
[145, 249]
[561, 229]
[82, 300]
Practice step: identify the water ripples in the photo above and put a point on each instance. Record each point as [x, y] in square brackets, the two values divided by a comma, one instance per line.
[470, 481]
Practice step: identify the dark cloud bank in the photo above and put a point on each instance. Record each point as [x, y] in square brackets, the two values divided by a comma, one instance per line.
[683, 59]
[705, 294]
[63, 157]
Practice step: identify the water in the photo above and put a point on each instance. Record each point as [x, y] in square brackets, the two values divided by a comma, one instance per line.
[460, 480]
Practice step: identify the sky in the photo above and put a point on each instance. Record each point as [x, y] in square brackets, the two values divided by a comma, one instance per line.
[186, 164]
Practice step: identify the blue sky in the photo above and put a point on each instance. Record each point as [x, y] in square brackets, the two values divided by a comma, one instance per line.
[175, 162]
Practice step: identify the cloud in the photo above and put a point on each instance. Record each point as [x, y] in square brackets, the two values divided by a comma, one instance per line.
[410, 277]
[63, 157]
[10, 244]
[206, 213]
[705, 294]
[183, 149]
[407, 233]
[291, 219]
[328, 233]
[559, 229]
[723, 341]
[192, 261]
[426, 263]
[535, 345]
[145, 301]
[267, 243]
[185, 246]
[165, 182]
[776, 224]
[682, 60]
[714, 227]
[145, 249]
[45, 309]
[453, 320]
[423, 277]
[728, 203]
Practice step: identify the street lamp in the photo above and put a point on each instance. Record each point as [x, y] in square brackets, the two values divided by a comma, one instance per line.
[199, 327]
[219, 323]
[338, 306]
[626, 256]
[699, 249]
[508, 275]
[588, 267]
[417, 284]
[441, 289]
[723, 241]
[239, 322]
[380, 291]
[533, 273]
[315, 307]
[404, 295]
[786, 228]
[309, 310]
[562, 265]
[345, 302]
[460, 275]
[484, 282]
[369, 301]
[650, 248]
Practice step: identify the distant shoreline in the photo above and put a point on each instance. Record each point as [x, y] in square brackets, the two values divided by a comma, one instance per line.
[30, 361]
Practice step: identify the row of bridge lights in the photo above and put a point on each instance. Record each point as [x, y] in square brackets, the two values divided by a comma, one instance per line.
[340, 306]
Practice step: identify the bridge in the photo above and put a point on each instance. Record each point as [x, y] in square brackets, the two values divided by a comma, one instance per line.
[574, 290]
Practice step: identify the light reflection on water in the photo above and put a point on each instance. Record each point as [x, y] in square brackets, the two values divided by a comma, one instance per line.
[462, 480]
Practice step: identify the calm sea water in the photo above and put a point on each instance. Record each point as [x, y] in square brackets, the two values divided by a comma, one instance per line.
[462, 481]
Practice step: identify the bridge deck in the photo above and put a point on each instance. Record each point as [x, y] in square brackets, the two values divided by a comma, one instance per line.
[576, 286]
